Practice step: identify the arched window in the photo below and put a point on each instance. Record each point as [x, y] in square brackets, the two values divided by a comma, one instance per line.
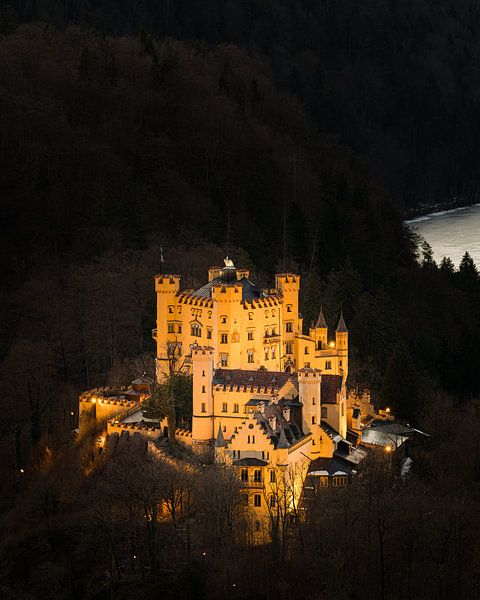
[196, 329]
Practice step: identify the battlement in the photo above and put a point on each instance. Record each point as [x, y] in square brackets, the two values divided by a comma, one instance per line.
[200, 351]
[265, 302]
[188, 298]
[287, 282]
[227, 293]
[167, 283]
[309, 373]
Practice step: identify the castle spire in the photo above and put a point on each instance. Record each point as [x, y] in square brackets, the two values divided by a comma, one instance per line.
[321, 323]
[220, 441]
[341, 327]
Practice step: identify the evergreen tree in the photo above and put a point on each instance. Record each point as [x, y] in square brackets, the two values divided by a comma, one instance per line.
[400, 386]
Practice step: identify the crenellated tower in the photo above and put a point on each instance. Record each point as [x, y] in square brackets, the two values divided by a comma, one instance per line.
[203, 409]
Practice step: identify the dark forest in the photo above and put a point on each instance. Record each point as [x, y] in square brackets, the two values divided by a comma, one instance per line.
[144, 137]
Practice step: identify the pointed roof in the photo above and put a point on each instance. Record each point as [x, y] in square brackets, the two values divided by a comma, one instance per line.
[321, 323]
[282, 441]
[220, 441]
[341, 327]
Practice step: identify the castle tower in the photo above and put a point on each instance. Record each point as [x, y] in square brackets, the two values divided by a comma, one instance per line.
[309, 381]
[203, 410]
[166, 287]
[227, 309]
[341, 342]
[288, 285]
[321, 331]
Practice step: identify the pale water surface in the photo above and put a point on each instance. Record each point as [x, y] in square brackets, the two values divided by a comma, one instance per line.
[451, 233]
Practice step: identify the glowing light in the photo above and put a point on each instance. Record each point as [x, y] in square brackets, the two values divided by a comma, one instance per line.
[387, 410]
[22, 471]
[94, 400]
[332, 344]
[204, 554]
[72, 413]
[134, 556]
[388, 449]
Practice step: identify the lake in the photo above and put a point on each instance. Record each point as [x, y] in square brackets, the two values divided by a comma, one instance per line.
[451, 232]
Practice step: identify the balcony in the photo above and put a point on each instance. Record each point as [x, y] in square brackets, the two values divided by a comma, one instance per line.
[251, 483]
[271, 338]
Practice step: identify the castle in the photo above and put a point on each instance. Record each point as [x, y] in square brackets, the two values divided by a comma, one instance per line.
[268, 398]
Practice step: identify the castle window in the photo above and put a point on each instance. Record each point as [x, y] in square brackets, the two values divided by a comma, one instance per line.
[257, 475]
[289, 326]
[313, 401]
[224, 338]
[203, 389]
[203, 373]
[340, 480]
[250, 316]
[257, 500]
[224, 360]
[274, 352]
[245, 499]
[170, 309]
[266, 353]
[179, 310]
[223, 319]
[273, 477]
[244, 475]
[340, 363]
[224, 429]
[236, 428]
[250, 335]
[324, 412]
[251, 439]
[272, 501]
[224, 407]
[273, 312]
[328, 365]
[204, 407]
[266, 314]
[288, 348]
[170, 328]
[313, 420]
[307, 350]
[235, 408]
[209, 314]
[323, 481]
[179, 328]
[196, 329]
[250, 356]
[289, 308]
[209, 333]
[343, 409]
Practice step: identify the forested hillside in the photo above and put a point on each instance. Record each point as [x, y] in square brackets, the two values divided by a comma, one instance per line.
[397, 81]
[116, 151]
[144, 137]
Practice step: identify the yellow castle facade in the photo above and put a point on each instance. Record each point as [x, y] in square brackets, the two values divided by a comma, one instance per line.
[268, 398]
[246, 326]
